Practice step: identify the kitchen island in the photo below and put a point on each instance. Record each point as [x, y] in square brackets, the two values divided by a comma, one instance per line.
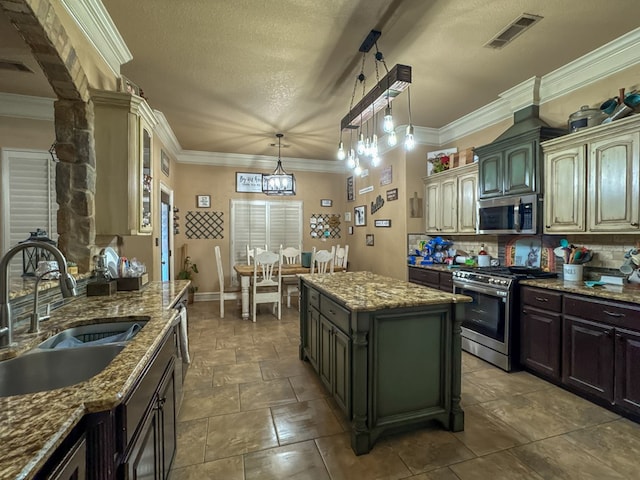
[35, 428]
[388, 351]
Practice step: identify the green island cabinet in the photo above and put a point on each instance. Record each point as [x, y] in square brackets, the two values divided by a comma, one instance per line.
[388, 351]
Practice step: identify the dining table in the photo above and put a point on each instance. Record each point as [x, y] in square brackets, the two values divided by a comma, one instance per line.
[246, 272]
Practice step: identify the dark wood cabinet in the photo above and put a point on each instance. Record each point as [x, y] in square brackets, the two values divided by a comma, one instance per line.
[588, 363]
[541, 331]
[627, 380]
[74, 465]
[440, 280]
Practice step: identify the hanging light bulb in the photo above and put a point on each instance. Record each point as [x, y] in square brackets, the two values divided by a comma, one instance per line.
[358, 169]
[375, 160]
[367, 147]
[341, 153]
[392, 138]
[409, 141]
[374, 146]
[387, 122]
[360, 145]
[351, 159]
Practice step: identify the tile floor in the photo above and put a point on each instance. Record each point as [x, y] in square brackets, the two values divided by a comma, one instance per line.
[252, 410]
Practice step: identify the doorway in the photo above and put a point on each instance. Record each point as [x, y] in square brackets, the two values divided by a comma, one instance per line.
[166, 236]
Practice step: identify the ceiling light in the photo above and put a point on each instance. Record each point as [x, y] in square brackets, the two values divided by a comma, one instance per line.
[279, 182]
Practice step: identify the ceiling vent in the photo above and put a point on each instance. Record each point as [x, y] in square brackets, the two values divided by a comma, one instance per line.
[514, 29]
[14, 66]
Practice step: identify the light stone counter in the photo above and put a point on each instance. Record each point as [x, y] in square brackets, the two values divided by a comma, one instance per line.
[627, 293]
[366, 291]
[32, 426]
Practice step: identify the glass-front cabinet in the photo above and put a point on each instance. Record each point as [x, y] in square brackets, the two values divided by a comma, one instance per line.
[124, 164]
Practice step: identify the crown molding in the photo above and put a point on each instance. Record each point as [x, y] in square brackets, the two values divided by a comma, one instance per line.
[165, 134]
[617, 55]
[495, 112]
[263, 162]
[26, 106]
[522, 95]
[94, 20]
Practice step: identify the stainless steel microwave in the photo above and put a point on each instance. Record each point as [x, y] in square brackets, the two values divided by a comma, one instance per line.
[513, 214]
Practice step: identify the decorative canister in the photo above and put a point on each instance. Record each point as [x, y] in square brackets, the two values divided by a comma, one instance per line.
[586, 117]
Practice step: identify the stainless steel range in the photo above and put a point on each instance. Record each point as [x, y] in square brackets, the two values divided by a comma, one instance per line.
[490, 321]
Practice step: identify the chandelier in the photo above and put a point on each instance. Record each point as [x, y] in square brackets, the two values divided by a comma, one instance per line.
[365, 111]
[279, 182]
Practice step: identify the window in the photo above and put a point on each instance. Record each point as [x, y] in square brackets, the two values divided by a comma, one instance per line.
[28, 199]
[260, 222]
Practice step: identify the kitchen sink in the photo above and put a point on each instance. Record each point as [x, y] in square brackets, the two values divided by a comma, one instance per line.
[41, 370]
[101, 332]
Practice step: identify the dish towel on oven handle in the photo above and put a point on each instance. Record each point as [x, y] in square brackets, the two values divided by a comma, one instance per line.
[184, 339]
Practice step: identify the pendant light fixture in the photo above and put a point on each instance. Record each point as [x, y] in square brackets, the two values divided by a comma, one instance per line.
[279, 182]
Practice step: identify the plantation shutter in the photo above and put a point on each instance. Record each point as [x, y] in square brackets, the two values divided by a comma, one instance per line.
[28, 199]
[259, 222]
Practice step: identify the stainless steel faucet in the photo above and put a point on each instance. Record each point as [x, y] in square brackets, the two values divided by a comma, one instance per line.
[66, 281]
[35, 316]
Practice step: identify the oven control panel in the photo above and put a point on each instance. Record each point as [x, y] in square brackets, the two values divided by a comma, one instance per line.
[464, 277]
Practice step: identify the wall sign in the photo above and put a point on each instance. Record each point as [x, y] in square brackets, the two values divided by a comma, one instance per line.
[386, 177]
[350, 189]
[369, 239]
[203, 201]
[164, 162]
[249, 182]
[377, 204]
[386, 223]
[366, 189]
[326, 202]
[392, 195]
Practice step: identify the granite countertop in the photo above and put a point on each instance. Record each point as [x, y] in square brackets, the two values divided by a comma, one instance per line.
[622, 293]
[34, 425]
[366, 291]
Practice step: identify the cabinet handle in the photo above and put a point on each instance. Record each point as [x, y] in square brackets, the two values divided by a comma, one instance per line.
[332, 312]
[613, 314]
[547, 226]
[542, 299]
[634, 224]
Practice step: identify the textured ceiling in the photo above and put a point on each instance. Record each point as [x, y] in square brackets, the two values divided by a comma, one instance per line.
[229, 74]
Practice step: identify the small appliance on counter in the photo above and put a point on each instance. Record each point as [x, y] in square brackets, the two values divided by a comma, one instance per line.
[102, 284]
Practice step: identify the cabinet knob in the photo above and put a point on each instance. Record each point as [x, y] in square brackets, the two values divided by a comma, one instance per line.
[547, 226]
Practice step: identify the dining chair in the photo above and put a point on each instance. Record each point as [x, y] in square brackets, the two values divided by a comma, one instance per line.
[224, 294]
[322, 260]
[252, 252]
[291, 256]
[342, 254]
[267, 285]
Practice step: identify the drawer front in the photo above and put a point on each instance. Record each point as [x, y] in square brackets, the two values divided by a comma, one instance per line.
[613, 313]
[314, 297]
[446, 282]
[338, 315]
[422, 276]
[544, 299]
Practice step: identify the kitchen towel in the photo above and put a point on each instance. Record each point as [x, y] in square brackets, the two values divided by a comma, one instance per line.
[184, 339]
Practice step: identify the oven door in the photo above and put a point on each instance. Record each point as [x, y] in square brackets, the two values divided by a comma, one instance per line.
[486, 319]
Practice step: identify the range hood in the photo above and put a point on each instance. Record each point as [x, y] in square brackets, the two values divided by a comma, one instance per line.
[527, 120]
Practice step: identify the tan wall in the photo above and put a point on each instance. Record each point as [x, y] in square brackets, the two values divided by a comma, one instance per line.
[219, 182]
[26, 133]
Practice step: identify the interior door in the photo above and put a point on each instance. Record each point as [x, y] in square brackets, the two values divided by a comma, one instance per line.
[165, 236]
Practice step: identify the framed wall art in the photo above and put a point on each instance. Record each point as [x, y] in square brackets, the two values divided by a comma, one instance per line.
[392, 194]
[325, 202]
[164, 162]
[350, 196]
[369, 240]
[350, 230]
[386, 223]
[203, 201]
[248, 182]
[360, 215]
[386, 177]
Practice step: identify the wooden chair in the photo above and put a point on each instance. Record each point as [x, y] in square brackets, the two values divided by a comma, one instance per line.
[267, 287]
[322, 260]
[224, 294]
[291, 256]
[341, 256]
[252, 252]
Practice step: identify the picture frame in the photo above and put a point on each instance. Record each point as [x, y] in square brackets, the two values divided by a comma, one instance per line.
[392, 195]
[347, 216]
[203, 201]
[248, 182]
[382, 223]
[325, 202]
[165, 162]
[350, 230]
[386, 176]
[360, 215]
[350, 195]
[369, 240]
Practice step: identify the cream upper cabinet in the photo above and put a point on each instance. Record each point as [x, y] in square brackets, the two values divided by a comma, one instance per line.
[565, 178]
[124, 163]
[451, 200]
[467, 196]
[592, 180]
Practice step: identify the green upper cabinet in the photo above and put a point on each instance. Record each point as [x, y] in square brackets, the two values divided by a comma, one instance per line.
[508, 169]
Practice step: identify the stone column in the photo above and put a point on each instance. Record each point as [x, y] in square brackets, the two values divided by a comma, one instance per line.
[76, 180]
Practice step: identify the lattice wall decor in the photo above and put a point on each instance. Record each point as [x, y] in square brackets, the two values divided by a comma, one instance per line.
[319, 223]
[204, 225]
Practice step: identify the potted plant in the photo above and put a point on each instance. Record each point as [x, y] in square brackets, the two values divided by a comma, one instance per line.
[188, 270]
